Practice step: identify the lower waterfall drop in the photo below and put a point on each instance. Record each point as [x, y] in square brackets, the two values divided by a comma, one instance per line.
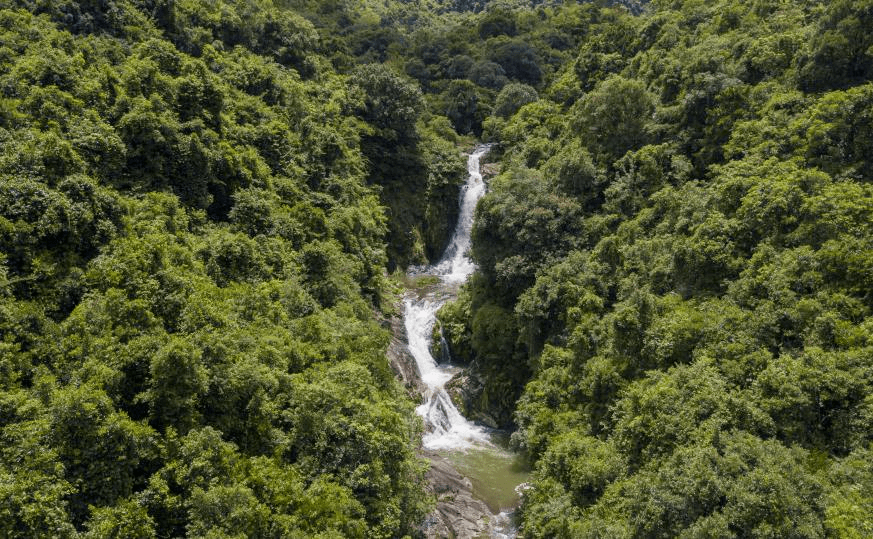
[446, 427]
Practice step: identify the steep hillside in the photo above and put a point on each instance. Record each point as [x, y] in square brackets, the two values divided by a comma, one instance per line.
[202, 204]
[192, 247]
[673, 303]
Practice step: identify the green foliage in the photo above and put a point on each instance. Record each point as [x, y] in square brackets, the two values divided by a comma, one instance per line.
[572, 171]
[465, 105]
[848, 513]
[497, 22]
[488, 75]
[512, 97]
[190, 257]
[198, 203]
[411, 163]
[453, 331]
[613, 117]
[390, 104]
[518, 59]
[839, 55]
[674, 264]
[127, 519]
[741, 485]
[534, 224]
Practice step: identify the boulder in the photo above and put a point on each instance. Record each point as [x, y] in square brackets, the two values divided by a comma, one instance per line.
[458, 513]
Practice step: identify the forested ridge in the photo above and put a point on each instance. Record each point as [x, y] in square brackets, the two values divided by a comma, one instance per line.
[192, 259]
[204, 207]
[674, 296]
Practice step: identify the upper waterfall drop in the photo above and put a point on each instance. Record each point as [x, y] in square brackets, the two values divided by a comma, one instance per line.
[455, 266]
[446, 427]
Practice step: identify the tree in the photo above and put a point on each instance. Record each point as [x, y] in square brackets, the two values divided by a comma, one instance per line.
[178, 380]
[518, 59]
[839, 54]
[127, 519]
[488, 75]
[388, 102]
[512, 97]
[497, 22]
[465, 105]
[614, 117]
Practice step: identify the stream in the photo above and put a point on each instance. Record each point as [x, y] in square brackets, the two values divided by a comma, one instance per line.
[477, 452]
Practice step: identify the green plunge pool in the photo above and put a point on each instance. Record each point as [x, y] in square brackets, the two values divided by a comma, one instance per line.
[494, 471]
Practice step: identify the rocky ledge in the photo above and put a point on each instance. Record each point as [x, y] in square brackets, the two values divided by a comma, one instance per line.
[458, 513]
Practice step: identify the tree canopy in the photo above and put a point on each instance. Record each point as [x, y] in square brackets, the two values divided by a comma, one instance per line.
[201, 204]
[673, 290]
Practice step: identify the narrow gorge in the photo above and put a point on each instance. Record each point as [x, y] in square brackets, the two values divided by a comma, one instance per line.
[252, 285]
[473, 474]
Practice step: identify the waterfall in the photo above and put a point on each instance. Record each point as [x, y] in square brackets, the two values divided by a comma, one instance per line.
[446, 427]
[455, 266]
[448, 432]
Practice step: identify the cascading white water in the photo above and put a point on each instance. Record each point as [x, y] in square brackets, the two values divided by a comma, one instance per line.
[446, 427]
[448, 432]
[455, 266]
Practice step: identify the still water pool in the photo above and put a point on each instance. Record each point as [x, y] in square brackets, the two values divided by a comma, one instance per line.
[494, 471]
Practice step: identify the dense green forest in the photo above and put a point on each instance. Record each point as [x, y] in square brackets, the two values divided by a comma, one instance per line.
[676, 272]
[192, 259]
[203, 204]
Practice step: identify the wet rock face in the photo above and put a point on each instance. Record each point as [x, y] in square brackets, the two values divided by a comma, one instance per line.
[442, 212]
[446, 347]
[468, 391]
[450, 342]
[401, 360]
[458, 514]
